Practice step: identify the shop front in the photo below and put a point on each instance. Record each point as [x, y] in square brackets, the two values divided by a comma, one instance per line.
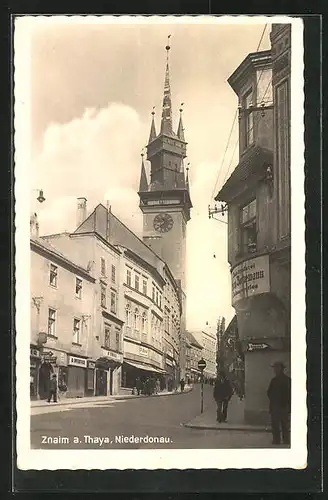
[47, 367]
[108, 372]
[263, 325]
[35, 361]
[133, 370]
[77, 367]
[90, 378]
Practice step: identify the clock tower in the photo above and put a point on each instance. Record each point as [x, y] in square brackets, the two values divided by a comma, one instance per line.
[164, 198]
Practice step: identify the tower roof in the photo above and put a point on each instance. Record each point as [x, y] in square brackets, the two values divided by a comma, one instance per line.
[166, 122]
[152, 134]
[143, 184]
[180, 132]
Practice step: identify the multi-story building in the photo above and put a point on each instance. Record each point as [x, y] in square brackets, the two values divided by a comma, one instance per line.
[208, 341]
[257, 196]
[62, 297]
[194, 354]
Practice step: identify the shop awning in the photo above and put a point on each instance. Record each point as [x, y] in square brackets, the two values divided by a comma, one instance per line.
[144, 367]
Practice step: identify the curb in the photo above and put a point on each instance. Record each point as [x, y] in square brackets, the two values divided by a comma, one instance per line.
[110, 398]
[231, 427]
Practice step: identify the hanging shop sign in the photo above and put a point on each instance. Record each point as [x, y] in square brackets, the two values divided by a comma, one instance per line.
[49, 359]
[62, 358]
[91, 365]
[250, 278]
[257, 347]
[73, 361]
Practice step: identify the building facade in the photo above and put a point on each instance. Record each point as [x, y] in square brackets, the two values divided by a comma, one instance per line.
[195, 354]
[62, 295]
[257, 196]
[207, 339]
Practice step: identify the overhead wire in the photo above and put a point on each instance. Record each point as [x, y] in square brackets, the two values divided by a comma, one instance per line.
[232, 126]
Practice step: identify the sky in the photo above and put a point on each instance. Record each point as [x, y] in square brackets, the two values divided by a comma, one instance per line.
[92, 90]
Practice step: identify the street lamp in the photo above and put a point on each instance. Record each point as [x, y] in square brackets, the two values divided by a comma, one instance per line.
[40, 198]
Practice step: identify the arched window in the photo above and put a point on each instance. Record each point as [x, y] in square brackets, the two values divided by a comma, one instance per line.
[128, 314]
[136, 319]
[144, 323]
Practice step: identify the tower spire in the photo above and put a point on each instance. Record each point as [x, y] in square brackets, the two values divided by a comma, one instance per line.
[180, 132]
[143, 184]
[187, 177]
[166, 123]
[152, 134]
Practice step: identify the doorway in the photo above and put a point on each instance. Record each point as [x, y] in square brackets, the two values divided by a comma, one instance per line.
[45, 372]
[101, 382]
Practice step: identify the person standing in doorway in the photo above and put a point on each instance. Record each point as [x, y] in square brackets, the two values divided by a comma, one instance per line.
[53, 388]
[222, 394]
[279, 394]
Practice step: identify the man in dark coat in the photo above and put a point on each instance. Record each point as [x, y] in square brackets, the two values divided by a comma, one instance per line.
[222, 394]
[53, 388]
[279, 394]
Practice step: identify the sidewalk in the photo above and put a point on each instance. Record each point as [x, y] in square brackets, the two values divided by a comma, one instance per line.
[96, 399]
[207, 420]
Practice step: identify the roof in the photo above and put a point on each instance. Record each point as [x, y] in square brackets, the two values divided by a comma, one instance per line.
[252, 167]
[251, 61]
[43, 245]
[192, 340]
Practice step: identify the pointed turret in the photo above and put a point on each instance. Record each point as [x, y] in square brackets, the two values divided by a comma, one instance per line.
[152, 134]
[166, 122]
[143, 184]
[180, 132]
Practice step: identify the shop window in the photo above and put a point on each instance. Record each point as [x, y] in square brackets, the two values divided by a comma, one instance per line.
[107, 337]
[103, 266]
[53, 275]
[249, 118]
[52, 322]
[113, 274]
[90, 379]
[103, 295]
[78, 288]
[62, 378]
[144, 287]
[76, 331]
[113, 302]
[248, 231]
[128, 277]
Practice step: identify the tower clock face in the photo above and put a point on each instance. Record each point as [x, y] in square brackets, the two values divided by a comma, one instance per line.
[163, 223]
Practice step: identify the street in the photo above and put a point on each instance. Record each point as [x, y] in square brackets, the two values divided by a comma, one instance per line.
[154, 422]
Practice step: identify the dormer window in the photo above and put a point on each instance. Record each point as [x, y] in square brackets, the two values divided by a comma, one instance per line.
[249, 118]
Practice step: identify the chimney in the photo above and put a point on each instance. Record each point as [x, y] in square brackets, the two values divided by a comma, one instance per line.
[34, 226]
[81, 210]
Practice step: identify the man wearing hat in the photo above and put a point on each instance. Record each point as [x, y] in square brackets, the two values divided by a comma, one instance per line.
[279, 394]
[53, 388]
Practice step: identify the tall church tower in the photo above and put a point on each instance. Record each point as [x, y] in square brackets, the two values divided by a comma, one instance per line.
[165, 200]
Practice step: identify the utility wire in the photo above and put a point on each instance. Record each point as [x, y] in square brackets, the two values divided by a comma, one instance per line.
[233, 124]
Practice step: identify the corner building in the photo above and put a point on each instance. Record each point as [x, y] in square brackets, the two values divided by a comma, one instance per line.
[257, 195]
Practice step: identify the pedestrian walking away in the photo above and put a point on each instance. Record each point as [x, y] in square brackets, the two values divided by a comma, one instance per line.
[222, 394]
[53, 389]
[279, 394]
[182, 384]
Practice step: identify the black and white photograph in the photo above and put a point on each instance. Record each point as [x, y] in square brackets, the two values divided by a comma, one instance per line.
[160, 254]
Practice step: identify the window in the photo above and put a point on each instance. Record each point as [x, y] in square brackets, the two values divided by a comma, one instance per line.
[157, 297]
[76, 331]
[103, 266]
[153, 294]
[136, 319]
[113, 302]
[53, 275]
[128, 277]
[144, 322]
[136, 282]
[113, 273]
[103, 295]
[52, 322]
[78, 288]
[144, 287]
[107, 337]
[118, 346]
[128, 314]
[248, 233]
[249, 119]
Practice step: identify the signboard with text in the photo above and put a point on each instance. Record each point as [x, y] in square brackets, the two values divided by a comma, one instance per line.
[74, 361]
[257, 347]
[250, 278]
[113, 355]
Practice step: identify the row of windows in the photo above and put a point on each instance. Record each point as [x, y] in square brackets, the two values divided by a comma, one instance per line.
[140, 283]
[76, 326]
[103, 270]
[103, 299]
[112, 338]
[53, 281]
